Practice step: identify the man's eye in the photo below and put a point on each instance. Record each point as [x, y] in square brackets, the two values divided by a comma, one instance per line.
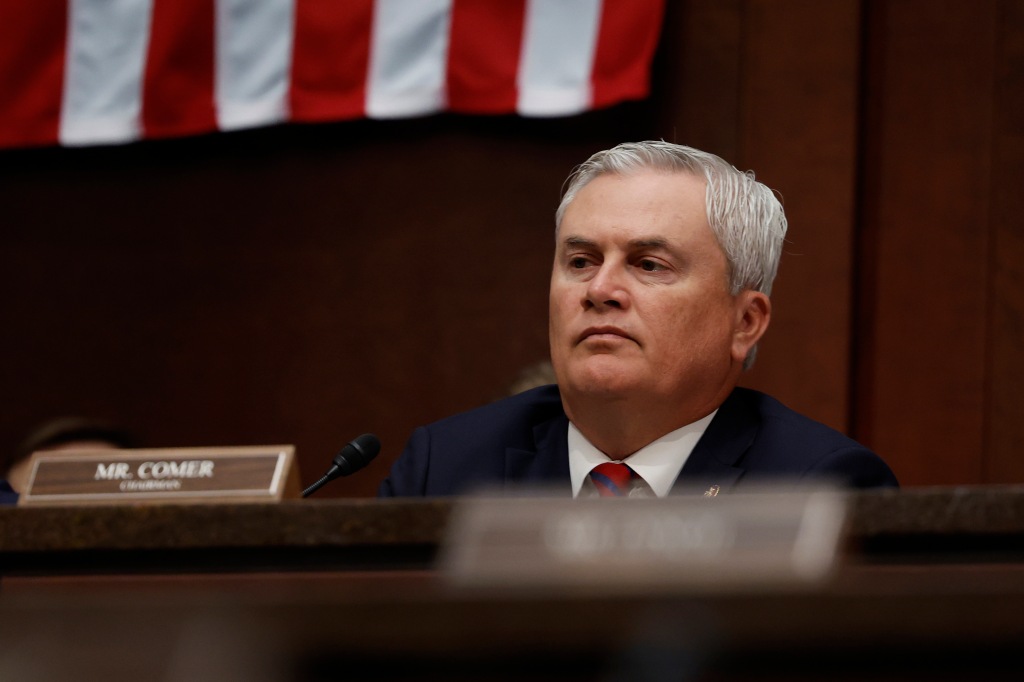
[579, 262]
[650, 265]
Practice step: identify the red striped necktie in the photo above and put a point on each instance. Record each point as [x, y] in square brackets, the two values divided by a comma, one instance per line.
[613, 479]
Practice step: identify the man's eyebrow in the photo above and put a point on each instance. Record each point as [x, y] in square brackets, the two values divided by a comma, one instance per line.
[649, 243]
[642, 243]
[579, 242]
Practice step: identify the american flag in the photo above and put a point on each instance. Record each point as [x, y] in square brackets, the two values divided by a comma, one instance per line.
[90, 72]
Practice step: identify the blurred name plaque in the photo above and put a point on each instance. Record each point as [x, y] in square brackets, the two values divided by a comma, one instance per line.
[235, 474]
[736, 541]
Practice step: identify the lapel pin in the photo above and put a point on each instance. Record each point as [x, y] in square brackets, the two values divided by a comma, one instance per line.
[712, 491]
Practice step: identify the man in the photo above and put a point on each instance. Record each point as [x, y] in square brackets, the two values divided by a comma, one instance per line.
[664, 262]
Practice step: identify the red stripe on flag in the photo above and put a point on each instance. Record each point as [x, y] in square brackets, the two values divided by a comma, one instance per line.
[483, 55]
[625, 47]
[330, 59]
[178, 90]
[32, 38]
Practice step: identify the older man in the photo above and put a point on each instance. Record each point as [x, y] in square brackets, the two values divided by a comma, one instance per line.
[664, 261]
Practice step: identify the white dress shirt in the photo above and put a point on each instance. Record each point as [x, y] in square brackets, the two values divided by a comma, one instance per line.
[658, 463]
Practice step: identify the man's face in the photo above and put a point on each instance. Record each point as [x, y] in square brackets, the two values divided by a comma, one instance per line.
[639, 298]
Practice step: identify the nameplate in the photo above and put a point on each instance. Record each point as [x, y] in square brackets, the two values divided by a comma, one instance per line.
[236, 474]
[734, 541]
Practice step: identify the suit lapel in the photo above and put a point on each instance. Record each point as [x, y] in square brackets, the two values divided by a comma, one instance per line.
[714, 460]
[548, 462]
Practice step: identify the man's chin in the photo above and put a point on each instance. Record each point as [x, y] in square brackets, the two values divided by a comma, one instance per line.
[607, 385]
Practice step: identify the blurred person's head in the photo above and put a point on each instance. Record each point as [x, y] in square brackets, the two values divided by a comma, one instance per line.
[62, 433]
[532, 376]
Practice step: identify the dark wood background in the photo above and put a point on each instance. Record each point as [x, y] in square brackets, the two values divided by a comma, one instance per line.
[305, 284]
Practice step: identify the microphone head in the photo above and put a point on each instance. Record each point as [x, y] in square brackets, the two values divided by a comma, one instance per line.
[357, 454]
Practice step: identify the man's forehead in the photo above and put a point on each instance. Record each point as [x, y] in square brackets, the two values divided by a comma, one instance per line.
[679, 192]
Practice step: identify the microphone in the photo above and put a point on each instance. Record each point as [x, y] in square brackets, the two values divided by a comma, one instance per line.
[351, 459]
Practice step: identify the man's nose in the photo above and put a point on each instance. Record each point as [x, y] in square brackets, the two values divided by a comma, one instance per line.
[607, 289]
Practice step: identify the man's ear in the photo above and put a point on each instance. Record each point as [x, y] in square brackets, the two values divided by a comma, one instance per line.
[753, 313]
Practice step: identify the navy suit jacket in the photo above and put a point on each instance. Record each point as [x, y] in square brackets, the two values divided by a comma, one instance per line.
[7, 494]
[522, 441]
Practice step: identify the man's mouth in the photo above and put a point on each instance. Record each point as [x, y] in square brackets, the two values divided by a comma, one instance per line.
[604, 333]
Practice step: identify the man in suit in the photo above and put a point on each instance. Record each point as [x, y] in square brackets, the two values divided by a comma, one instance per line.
[664, 261]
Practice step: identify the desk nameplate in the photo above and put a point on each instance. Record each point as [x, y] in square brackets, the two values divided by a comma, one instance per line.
[256, 473]
[738, 541]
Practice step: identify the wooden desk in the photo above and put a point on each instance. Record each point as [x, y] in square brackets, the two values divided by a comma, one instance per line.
[931, 587]
[914, 526]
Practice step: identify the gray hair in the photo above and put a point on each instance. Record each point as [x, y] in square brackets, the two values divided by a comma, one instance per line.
[745, 215]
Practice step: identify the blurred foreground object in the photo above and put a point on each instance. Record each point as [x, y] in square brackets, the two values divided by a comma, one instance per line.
[782, 536]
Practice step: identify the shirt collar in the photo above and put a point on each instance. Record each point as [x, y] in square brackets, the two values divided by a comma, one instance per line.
[658, 462]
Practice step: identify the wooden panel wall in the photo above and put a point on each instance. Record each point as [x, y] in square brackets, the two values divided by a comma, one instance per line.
[305, 284]
[938, 383]
[1004, 426]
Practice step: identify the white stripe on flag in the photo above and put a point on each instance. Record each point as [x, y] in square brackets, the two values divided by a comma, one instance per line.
[408, 57]
[559, 42]
[106, 57]
[254, 53]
